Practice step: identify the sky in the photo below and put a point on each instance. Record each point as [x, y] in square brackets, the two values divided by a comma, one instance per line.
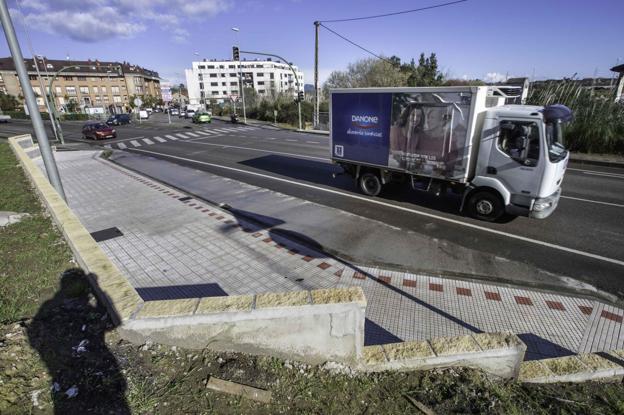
[484, 39]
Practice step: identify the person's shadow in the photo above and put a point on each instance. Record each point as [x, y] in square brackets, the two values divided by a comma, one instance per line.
[68, 332]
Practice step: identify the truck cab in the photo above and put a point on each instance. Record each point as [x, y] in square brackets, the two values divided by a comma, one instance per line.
[521, 162]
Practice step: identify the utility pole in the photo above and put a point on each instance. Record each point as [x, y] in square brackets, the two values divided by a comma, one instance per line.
[45, 95]
[31, 102]
[316, 120]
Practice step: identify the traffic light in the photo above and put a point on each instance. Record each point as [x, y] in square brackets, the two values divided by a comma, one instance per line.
[300, 96]
[235, 53]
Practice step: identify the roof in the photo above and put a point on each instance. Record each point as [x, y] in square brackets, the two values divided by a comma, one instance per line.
[88, 66]
[618, 68]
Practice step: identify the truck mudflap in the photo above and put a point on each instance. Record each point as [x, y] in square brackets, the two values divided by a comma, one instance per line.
[543, 207]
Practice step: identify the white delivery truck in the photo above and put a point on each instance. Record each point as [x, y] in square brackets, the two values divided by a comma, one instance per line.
[501, 158]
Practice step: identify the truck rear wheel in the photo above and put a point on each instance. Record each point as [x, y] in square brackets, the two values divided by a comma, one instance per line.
[485, 206]
[370, 184]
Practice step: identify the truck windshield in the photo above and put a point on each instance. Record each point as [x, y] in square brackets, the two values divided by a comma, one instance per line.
[554, 141]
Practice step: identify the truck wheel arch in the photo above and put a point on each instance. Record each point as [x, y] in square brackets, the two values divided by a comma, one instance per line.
[496, 200]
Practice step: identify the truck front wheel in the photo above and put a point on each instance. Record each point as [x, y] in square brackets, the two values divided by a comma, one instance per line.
[370, 184]
[485, 206]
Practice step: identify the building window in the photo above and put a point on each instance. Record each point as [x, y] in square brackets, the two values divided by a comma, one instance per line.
[221, 66]
[272, 75]
[84, 89]
[115, 89]
[234, 91]
[58, 90]
[82, 78]
[231, 66]
[200, 77]
[86, 100]
[201, 67]
[214, 84]
[215, 92]
[261, 91]
[223, 83]
[32, 77]
[103, 90]
[210, 67]
[201, 85]
[117, 99]
[260, 82]
[223, 75]
[37, 90]
[71, 90]
[106, 98]
[233, 75]
[233, 83]
[61, 100]
[68, 78]
[224, 92]
[213, 75]
[95, 90]
[98, 100]
[40, 101]
[259, 74]
[139, 89]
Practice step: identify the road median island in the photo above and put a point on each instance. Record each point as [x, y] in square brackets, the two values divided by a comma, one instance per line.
[311, 325]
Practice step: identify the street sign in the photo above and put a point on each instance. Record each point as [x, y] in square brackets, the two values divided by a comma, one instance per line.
[234, 98]
[275, 113]
[138, 102]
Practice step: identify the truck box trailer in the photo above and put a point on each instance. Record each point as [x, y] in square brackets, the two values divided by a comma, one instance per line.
[503, 159]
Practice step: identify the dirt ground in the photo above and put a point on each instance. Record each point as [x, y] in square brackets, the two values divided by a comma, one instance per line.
[68, 359]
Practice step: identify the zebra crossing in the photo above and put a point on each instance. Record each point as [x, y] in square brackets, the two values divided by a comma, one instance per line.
[142, 141]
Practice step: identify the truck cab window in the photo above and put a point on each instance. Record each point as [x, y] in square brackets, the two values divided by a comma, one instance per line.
[520, 140]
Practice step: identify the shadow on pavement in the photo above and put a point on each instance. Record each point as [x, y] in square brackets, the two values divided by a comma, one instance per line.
[68, 333]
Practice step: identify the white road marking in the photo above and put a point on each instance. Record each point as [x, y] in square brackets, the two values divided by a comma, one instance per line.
[203, 132]
[291, 140]
[135, 143]
[597, 173]
[313, 142]
[255, 149]
[405, 209]
[181, 135]
[148, 141]
[220, 130]
[193, 134]
[107, 146]
[162, 140]
[121, 146]
[171, 137]
[593, 201]
[136, 138]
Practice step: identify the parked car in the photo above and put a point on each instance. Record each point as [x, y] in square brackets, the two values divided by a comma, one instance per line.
[143, 114]
[119, 119]
[98, 131]
[182, 114]
[189, 113]
[4, 118]
[201, 117]
[174, 111]
[149, 110]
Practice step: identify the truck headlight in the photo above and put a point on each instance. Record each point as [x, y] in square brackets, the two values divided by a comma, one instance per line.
[539, 206]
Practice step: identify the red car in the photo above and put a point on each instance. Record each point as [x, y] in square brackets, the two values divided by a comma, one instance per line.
[98, 131]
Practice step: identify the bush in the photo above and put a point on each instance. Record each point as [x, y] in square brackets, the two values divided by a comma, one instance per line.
[75, 117]
[21, 115]
[598, 125]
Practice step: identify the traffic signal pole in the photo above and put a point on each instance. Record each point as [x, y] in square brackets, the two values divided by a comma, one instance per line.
[31, 102]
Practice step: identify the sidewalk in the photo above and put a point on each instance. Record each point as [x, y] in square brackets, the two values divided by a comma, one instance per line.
[170, 245]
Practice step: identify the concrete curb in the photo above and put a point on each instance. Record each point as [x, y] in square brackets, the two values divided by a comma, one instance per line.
[583, 159]
[577, 368]
[499, 354]
[111, 286]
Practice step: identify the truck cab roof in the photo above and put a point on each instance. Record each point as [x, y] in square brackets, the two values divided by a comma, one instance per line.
[520, 111]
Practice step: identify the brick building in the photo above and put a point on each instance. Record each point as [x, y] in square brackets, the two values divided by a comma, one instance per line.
[90, 84]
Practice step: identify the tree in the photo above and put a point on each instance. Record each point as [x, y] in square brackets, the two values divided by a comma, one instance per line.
[72, 105]
[8, 102]
[369, 72]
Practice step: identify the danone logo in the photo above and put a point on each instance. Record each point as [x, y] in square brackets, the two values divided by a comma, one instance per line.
[364, 121]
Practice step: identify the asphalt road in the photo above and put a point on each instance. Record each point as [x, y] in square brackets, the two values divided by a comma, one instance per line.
[583, 239]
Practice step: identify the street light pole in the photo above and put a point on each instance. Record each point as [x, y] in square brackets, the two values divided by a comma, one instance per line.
[240, 77]
[45, 94]
[31, 102]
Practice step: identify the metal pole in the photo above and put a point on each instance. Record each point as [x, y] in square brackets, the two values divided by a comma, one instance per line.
[31, 102]
[45, 95]
[316, 86]
[242, 85]
[299, 108]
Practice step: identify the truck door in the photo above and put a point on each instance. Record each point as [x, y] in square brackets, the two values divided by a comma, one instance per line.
[516, 159]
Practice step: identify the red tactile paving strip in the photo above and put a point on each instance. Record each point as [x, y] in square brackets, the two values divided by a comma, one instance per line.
[611, 316]
[307, 258]
[409, 283]
[436, 287]
[257, 234]
[555, 305]
[585, 309]
[339, 273]
[323, 265]
[359, 276]
[464, 291]
[523, 300]
[385, 280]
[267, 240]
[492, 296]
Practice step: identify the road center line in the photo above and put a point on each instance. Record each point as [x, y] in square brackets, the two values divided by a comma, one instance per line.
[593, 201]
[598, 173]
[417, 212]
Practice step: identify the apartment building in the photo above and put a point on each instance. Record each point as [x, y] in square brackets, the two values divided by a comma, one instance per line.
[89, 84]
[218, 79]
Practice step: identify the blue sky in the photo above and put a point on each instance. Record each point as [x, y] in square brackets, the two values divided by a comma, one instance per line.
[483, 39]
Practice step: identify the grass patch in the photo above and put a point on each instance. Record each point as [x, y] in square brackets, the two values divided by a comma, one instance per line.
[32, 252]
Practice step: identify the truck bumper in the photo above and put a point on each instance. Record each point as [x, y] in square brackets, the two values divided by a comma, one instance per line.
[541, 208]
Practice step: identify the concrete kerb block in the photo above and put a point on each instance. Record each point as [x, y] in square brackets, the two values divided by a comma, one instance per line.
[575, 368]
[499, 354]
[109, 284]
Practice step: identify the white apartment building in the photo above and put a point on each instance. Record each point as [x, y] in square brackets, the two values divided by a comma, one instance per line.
[218, 79]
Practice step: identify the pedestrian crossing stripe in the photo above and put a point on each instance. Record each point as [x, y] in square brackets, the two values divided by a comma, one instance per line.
[135, 143]
[203, 132]
[107, 146]
[170, 137]
[162, 140]
[193, 134]
[148, 141]
[181, 135]
[121, 146]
